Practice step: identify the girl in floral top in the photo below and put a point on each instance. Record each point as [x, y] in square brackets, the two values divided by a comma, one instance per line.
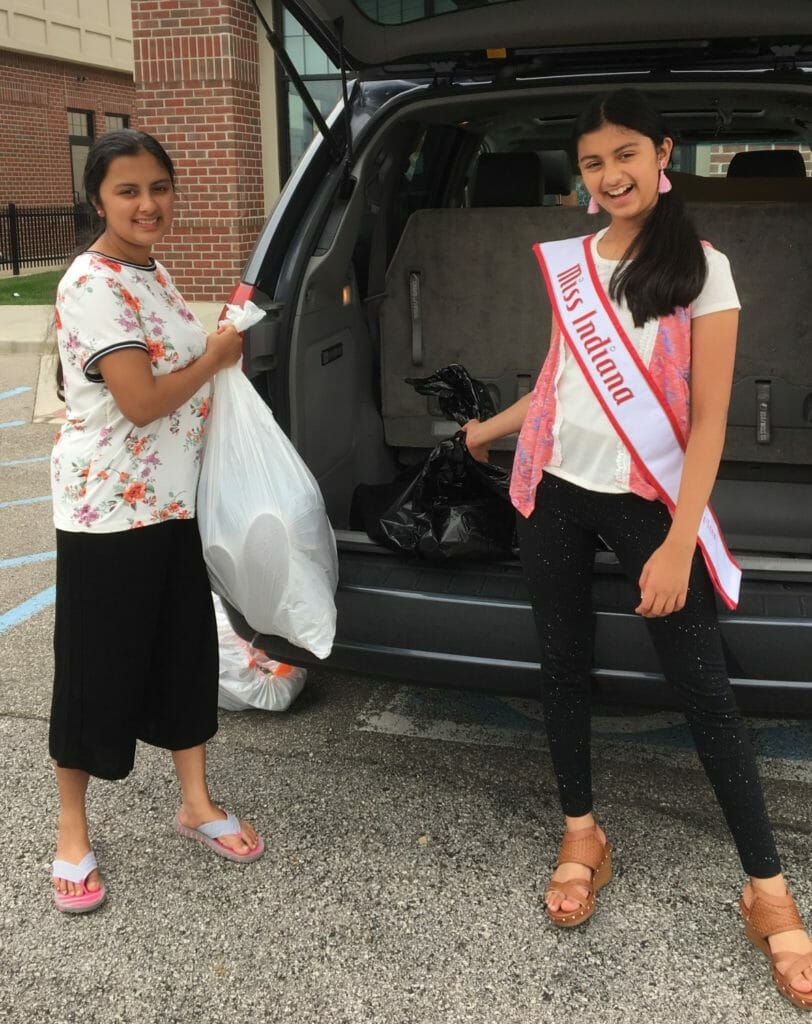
[135, 640]
[575, 486]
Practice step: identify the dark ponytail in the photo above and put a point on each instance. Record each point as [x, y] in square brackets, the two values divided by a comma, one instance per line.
[125, 142]
[669, 266]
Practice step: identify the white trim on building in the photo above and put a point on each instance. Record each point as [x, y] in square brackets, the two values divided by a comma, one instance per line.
[92, 32]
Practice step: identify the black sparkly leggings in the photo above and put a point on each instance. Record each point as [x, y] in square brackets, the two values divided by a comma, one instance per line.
[558, 543]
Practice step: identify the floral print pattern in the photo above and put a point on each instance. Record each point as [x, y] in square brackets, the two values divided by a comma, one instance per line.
[108, 474]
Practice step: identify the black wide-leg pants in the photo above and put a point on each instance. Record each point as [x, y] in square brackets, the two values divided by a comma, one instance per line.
[557, 544]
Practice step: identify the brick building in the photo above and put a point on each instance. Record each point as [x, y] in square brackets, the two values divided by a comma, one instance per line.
[196, 73]
[65, 78]
[197, 79]
[207, 86]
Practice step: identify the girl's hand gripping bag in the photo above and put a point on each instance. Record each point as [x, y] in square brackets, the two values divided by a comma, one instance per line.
[268, 544]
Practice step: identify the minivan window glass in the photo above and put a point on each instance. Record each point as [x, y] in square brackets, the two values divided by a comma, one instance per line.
[326, 92]
[711, 159]
[398, 12]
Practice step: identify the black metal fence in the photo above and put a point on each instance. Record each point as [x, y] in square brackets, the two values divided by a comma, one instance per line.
[32, 236]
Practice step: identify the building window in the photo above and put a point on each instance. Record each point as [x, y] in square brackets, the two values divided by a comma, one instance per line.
[80, 139]
[322, 80]
[115, 122]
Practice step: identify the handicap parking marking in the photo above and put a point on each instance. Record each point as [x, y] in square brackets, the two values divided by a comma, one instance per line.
[453, 716]
[12, 423]
[786, 739]
[13, 392]
[37, 603]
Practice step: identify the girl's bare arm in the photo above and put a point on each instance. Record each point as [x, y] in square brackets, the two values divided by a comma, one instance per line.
[664, 580]
[143, 397]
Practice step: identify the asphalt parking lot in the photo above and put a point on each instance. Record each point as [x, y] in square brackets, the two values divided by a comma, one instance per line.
[410, 834]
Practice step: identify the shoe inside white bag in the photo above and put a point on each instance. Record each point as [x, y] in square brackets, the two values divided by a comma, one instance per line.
[267, 541]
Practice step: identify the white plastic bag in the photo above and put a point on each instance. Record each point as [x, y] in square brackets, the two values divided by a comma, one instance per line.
[248, 677]
[268, 545]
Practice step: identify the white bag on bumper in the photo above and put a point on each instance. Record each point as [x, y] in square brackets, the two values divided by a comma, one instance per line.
[268, 544]
[248, 677]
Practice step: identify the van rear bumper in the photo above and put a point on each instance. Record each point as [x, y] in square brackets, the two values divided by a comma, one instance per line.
[471, 627]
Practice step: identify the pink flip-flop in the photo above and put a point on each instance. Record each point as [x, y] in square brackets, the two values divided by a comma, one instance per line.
[87, 900]
[210, 832]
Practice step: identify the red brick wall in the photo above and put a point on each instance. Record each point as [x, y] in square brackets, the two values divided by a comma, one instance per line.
[35, 94]
[197, 90]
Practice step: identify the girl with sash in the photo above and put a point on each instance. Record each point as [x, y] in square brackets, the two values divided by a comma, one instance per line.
[620, 441]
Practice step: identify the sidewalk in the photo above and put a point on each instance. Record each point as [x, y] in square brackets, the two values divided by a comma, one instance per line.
[26, 328]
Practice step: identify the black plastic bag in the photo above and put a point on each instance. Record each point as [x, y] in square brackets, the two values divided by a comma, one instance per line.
[452, 506]
[455, 507]
[459, 395]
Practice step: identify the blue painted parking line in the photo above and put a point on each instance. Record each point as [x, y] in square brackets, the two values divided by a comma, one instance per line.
[44, 599]
[12, 423]
[25, 462]
[25, 501]
[42, 556]
[13, 392]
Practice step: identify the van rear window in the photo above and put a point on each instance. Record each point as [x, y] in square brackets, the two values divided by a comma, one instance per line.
[398, 12]
[713, 159]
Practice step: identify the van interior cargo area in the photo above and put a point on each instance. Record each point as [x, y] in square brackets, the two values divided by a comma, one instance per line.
[428, 262]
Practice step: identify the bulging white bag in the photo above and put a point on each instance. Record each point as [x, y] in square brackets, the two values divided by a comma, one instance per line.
[248, 677]
[268, 545]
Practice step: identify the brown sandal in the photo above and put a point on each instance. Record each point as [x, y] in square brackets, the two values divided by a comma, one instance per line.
[581, 846]
[767, 916]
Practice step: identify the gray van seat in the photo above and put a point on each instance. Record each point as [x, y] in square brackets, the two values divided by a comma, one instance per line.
[472, 279]
[767, 163]
[695, 188]
[482, 303]
[508, 179]
[559, 182]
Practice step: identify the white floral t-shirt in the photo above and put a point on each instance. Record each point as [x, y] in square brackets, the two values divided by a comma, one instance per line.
[107, 474]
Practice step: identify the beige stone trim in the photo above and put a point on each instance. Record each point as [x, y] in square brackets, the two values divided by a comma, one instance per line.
[94, 32]
[267, 113]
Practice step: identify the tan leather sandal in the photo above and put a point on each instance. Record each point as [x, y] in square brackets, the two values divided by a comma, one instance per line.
[581, 846]
[767, 916]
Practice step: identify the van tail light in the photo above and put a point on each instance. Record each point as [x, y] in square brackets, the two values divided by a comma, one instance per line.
[240, 294]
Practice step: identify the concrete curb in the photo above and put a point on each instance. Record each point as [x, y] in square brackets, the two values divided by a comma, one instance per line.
[25, 329]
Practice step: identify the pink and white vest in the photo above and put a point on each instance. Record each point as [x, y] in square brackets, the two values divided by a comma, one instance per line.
[537, 446]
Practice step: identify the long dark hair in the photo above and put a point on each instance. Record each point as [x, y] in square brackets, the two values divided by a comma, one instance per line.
[669, 267]
[124, 142]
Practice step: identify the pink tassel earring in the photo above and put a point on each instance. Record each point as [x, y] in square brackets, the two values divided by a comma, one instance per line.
[593, 205]
[663, 185]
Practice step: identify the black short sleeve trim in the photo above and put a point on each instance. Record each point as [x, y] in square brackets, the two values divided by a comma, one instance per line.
[152, 265]
[94, 376]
